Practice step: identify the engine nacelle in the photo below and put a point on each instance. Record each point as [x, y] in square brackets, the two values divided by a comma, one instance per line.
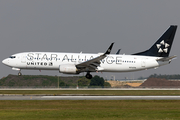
[68, 69]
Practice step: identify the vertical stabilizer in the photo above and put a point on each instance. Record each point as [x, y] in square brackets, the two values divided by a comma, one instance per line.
[163, 45]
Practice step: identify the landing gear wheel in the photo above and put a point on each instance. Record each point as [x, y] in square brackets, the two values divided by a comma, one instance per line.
[19, 74]
[88, 76]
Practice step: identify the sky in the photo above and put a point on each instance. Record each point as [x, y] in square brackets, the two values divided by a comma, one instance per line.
[87, 26]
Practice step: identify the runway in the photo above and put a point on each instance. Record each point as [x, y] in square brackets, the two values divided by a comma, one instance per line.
[75, 89]
[20, 97]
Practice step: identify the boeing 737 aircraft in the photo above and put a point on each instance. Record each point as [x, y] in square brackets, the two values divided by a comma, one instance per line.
[75, 63]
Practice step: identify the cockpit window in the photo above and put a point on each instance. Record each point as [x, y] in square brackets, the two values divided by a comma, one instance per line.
[12, 57]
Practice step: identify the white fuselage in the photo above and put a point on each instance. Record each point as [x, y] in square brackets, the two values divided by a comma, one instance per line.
[52, 61]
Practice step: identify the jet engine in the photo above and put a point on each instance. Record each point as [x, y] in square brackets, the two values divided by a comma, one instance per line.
[68, 69]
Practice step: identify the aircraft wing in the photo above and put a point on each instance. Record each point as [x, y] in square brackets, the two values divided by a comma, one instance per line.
[95, 62]
[166, 58]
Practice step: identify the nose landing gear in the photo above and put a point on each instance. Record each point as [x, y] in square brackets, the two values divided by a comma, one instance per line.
[19, 74]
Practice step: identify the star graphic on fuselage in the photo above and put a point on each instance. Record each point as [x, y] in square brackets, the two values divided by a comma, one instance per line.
[163, 47]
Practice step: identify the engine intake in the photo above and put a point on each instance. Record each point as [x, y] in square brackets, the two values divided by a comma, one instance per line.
[68, 69]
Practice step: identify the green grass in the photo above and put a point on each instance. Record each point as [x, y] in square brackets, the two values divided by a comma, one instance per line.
[94, 92]
[90, 109]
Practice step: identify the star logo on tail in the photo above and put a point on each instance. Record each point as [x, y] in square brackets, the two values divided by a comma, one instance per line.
[162, 47]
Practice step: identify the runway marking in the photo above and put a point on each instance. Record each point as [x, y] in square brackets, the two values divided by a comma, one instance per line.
[112, 97]
[89, 97]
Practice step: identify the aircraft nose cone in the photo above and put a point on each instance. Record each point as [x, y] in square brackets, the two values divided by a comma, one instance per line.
[5, 61]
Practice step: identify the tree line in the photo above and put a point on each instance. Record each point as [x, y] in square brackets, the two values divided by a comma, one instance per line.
[175, 76]
[96, 81]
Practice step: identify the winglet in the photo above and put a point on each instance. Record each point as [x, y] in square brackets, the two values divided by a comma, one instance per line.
[118, 51]
[109, 49]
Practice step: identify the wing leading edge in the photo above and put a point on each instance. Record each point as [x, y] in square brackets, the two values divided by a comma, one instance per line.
[95, 62]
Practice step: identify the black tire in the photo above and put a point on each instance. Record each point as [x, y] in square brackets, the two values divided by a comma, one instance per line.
[19, 74]
[88, 76]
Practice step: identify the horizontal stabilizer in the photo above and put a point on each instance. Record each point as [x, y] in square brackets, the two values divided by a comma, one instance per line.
[166, 58]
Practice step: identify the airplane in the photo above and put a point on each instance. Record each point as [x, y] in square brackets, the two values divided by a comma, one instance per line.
[75, 63]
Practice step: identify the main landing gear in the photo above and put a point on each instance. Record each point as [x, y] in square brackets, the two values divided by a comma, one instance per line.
[88, 75]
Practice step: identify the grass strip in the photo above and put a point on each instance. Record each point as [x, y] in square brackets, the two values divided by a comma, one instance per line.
[91, 109]
[94, 92]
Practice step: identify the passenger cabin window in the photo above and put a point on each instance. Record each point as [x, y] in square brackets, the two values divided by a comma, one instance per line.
[12, 57]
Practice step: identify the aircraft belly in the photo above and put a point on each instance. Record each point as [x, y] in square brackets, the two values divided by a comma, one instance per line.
[118, 68]
[130, 67]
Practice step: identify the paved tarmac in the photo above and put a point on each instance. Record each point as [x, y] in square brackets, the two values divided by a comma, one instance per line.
[89, 89]
[20, 97]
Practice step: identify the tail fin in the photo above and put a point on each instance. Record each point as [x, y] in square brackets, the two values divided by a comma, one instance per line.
[163, 45]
